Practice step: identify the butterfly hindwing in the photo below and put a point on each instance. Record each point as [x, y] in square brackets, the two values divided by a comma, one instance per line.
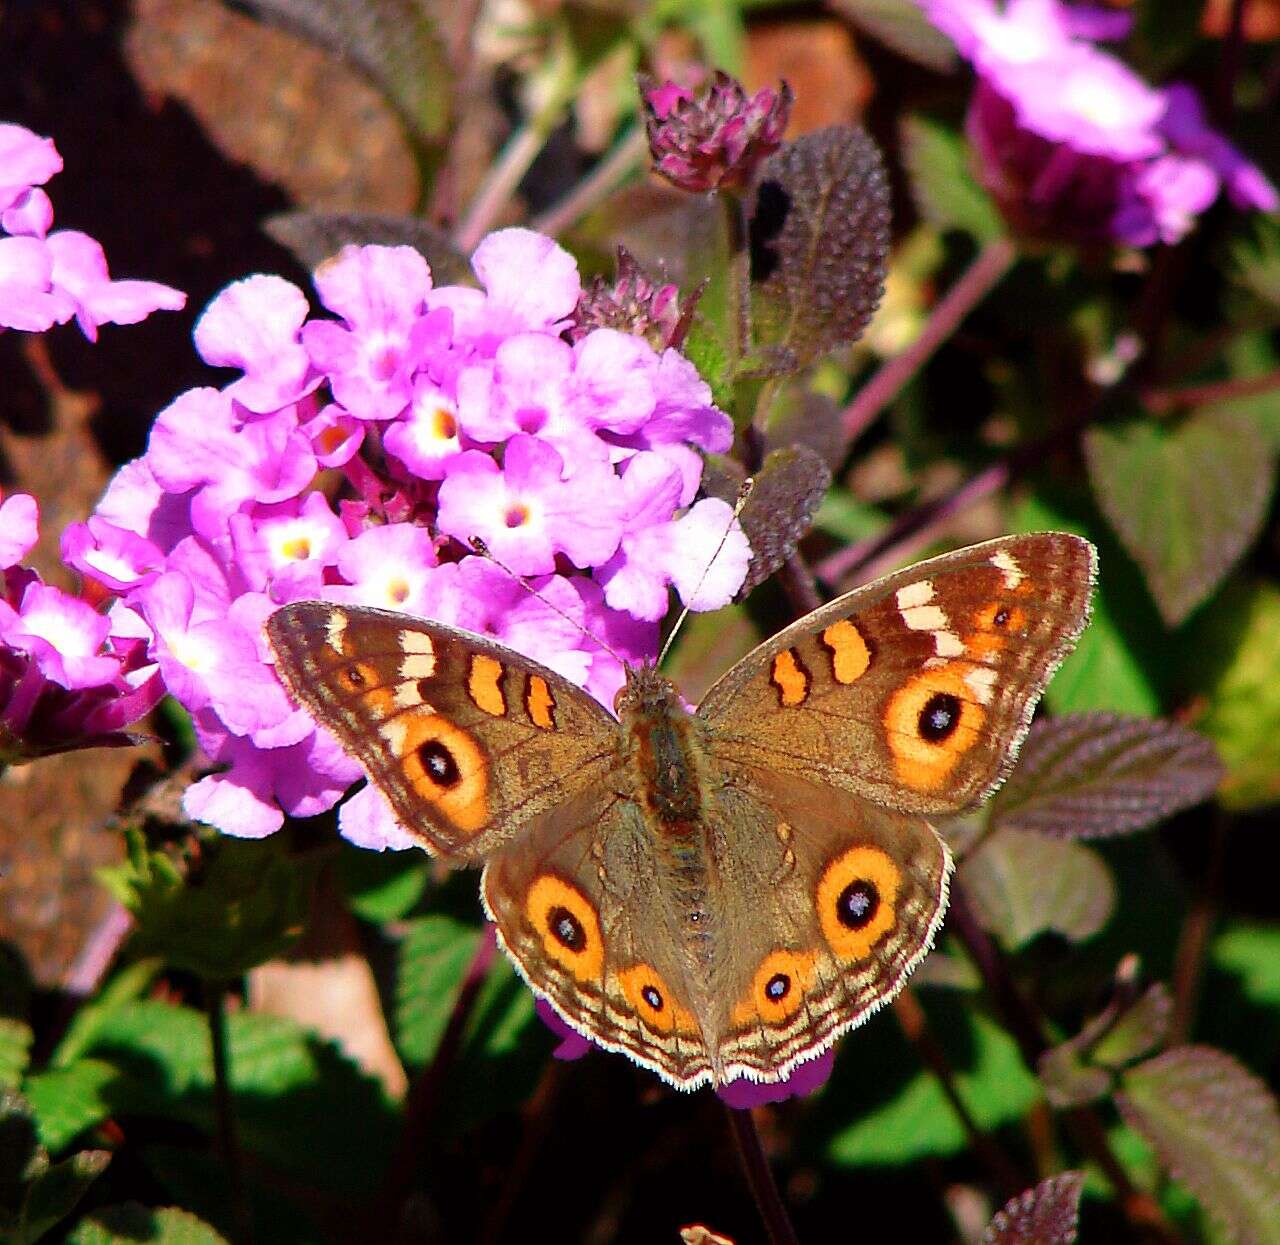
[466, 739]
[915, 691]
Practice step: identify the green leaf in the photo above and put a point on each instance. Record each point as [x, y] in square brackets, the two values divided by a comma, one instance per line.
[394, 43]
[1186, 498]
[847, 519]
[1106, 670]
[70, 1099]
[1217, 1128]
[312, 237]
[125, 987]
[1255, 261]
[1242, 711]
[1096, 775]
[945, 192]
[819, 241]
[382, 886]
[917, 1120]
[1026, 884]
[15, 1051]
[434, 958]
[130, 1223]
[243, 904]
[53, 1194]
[1045, 1215]
[1251, 952]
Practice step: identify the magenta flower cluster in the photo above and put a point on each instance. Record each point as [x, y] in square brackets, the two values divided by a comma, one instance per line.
[1076, 146]
[70, 675]
[47, 278]
[354, 458]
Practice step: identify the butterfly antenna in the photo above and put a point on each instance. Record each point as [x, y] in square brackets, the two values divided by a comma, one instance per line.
[743, 493]
[484, 551]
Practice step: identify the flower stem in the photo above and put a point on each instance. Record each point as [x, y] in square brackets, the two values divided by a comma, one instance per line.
[227, 1136]
[608, 174]
[1162, 400]
[978, 280]
[425, 1093]
[1024, 1023]
[513, 163]
[737, 239]
[755, 1166]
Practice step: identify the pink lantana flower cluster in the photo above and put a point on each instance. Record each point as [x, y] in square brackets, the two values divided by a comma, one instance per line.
[47, 278]
[1076, 146]
[70, 675]
[355, 456]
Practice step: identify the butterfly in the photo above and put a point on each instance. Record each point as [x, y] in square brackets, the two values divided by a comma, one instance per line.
[720, 893]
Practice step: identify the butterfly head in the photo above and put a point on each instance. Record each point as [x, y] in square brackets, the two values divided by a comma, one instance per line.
[646, 692]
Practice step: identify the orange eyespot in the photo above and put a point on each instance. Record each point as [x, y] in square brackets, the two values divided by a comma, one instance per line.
[778, 988]
[358, 677]
[930, 723]
[857, 898]
[653, 1002]
[444, 765]
[566, 921]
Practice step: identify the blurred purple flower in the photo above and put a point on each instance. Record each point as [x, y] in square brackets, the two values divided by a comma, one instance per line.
[1072, 144]
[714, 137]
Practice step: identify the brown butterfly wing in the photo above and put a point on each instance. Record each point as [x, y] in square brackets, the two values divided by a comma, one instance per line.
[824, 905]
[466, 739]
[914, 691]
[587, 910]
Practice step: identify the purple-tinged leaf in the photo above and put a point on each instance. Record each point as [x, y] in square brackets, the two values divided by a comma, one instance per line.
[902, 26]
[1045, 1215]
[394, 43]
[1084, 1067]
[314, 236]
[1186, 498]
[819, 238]
[1025, 884]
[1094, 775]
[804, 417]
[1217, 1128]
[785, 494]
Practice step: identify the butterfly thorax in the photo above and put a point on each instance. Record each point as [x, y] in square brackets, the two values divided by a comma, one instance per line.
[664, 750]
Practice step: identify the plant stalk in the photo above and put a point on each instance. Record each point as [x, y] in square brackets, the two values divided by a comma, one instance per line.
[764, 1188]
[226, 1134]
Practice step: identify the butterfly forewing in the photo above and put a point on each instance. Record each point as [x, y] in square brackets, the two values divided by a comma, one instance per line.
[916, 690]
[465, 738]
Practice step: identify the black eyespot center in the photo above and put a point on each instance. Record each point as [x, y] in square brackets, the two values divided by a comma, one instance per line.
[1001, 617]
[857, 904]
[439, 764]
[566, 929]
[939, 717]
[653, 997]
[354, 676]
[777, 987]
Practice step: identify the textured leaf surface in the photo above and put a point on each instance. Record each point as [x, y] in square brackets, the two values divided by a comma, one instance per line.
[819, 239]
[1243, 711]
[1098, 774]
[1186, 499]
[393, 42]
[807, 418]
[433, 962]
[1217, 1128]
[786, 493]
[124, 1225]
[945, 192]
[1025, 884]
[313, 237]
[1045, 1215]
